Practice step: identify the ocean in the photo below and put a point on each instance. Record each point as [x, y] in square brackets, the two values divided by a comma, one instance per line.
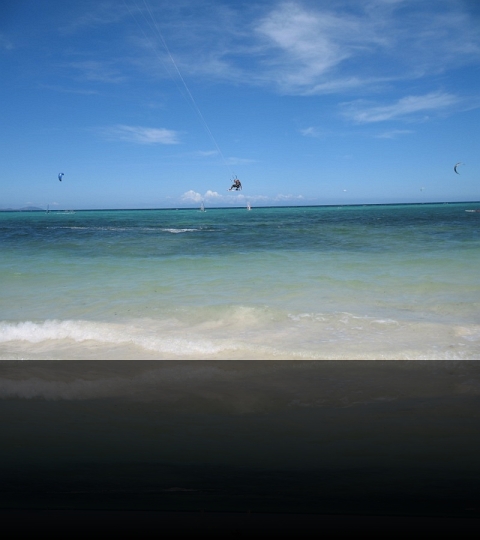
[374, 282]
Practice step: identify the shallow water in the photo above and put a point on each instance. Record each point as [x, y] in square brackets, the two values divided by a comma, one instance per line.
[366, 282]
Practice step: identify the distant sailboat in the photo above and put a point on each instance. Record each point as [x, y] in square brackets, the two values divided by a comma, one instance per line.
[48, 209]
[248, 206]
[202, 207]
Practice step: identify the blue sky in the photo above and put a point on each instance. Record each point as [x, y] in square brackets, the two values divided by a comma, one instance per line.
[157, 104]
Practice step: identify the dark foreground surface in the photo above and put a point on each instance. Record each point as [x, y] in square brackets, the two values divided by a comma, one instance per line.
[307, 446]
[141, 522]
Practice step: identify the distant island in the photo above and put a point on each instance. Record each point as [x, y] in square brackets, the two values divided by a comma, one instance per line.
[23, 209]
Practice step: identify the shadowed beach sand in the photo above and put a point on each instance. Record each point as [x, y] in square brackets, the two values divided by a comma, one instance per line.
[289, 441]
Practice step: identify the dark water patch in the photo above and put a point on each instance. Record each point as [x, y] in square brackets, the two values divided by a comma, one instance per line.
[164, 233]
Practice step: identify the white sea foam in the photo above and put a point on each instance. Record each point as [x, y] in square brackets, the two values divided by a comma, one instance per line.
[470, 333]
[240, 332]
[104, 333]
[177, 231]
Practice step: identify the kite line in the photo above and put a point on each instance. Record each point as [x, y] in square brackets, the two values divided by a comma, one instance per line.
[152, 23]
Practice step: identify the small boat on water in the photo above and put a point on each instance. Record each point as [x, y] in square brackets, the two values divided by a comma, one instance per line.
[248, 206]
[202, 207]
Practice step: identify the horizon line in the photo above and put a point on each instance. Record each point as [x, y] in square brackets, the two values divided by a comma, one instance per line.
[38, 209]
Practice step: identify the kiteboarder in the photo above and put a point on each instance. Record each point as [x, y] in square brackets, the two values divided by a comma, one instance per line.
[236, 185]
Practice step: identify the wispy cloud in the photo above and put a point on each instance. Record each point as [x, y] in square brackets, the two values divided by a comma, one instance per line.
[306, 48]
[99, 14]
[140, 134]
[298, 47]
[318, 50]
[341, 85]
[306, 44]
[206, 153]
[92, 70]
[69, 90]
[239, 161]
[310, 132]
[408, 107]
[394, 133]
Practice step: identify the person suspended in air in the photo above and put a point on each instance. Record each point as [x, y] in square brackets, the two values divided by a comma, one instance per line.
[237, 185]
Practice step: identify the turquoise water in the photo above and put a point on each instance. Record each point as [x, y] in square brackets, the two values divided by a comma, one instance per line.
[366, 282]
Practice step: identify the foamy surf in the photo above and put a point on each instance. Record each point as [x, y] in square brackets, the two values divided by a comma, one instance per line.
[178, 231]
[241, 333]
[103, 334]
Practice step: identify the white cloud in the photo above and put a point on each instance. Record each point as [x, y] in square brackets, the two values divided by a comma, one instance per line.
[408, 106]
[192, 196]
[195, 197]
[141, 135]
[211, 195]
[237, 199]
